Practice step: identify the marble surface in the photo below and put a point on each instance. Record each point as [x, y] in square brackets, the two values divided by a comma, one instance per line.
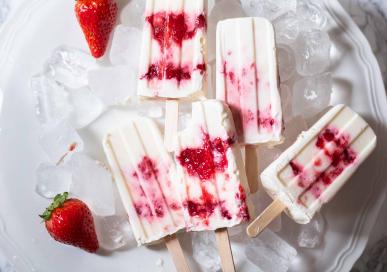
[371, 17]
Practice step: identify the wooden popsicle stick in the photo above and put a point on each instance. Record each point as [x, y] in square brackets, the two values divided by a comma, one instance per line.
[177, 253]
[224, 248]
[265, 218]
[171, 123]
[251, 165]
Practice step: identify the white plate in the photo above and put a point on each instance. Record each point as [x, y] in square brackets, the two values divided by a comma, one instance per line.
[40, 25]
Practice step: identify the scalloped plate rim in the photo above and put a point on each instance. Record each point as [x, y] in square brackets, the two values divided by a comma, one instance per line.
[8, 35]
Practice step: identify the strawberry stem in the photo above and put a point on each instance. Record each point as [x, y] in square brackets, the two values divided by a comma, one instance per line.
[58, 201]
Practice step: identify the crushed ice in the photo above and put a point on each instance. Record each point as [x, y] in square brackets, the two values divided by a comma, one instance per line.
[269, 252]
[205, 251]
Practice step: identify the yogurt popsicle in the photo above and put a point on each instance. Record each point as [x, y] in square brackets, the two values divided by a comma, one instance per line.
[209, 162]
[247, 78]
[214, 184]
[316, 166]
[146, 178]
[172, 62]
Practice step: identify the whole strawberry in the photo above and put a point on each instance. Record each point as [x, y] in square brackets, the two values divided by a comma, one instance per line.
[97, 19]
[70, 221]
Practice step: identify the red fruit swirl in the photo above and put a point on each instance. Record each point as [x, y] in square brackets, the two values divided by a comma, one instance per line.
[171, 30]
[206, 160]
[341, 157]
[168, 28]
[153, 204]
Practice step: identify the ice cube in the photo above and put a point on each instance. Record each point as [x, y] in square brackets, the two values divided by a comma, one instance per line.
[278, 245]
[59, 140]
[113, 85]
[52, 180]
[311, 235]
[114, 232]
[56, 103]
[133, 13]
[311, 95]
[286, 28]
[269, 252]
[4, 10]
[69, 66]
[223, 9]
[93, 184]
[269, 9]
[205, 251]
[87, 107]
[126, 46]
[286, 62]
[52, 100]
[311, 15]
[312, 50]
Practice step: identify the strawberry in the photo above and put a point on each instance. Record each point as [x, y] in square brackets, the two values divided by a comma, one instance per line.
[69, 221]
[97, 19]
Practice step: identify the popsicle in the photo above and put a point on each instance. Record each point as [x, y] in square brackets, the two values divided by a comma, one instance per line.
[247, 80]
[146, 179]
[210, 164]
[312, 171]
[173, 62]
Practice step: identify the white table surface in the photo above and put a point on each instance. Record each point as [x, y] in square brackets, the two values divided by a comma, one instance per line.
[371, 17]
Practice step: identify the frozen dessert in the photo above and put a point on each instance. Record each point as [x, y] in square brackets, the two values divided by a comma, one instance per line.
[247, 78]
[146, 178]
[312, 171]
[211, 168]
[172, 62]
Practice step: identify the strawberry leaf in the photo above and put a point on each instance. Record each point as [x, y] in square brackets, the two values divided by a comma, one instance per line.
[58, 202]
